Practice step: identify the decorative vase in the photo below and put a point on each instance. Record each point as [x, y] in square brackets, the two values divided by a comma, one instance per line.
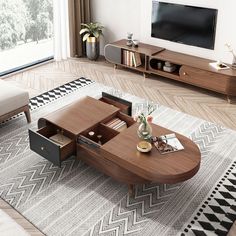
[145, 131]
[92, 48]
[234, 63]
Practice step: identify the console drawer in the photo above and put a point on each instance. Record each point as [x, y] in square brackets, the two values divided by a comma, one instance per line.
[41, 143]
[204, 79]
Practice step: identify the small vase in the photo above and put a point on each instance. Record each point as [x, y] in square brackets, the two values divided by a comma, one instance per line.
[234, 63]
[145, 131]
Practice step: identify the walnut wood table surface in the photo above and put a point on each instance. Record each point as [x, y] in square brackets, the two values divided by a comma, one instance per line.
[162, 168]
[117, 155]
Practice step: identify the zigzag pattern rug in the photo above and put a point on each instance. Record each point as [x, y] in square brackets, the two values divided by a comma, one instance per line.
[78, 200]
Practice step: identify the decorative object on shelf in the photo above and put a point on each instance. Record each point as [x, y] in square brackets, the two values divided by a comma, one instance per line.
[159, 65]
[91, 34]
[169, 67]
[144, 146]
[219, 65]
[234, 55]
[99, 136]
[145, 130]
[135, 43]
[129, 39]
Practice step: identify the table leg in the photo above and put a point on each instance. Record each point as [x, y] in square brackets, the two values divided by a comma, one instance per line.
[131, 188]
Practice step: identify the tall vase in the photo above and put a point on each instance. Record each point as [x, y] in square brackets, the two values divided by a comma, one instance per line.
[144, 131]
[92, 48]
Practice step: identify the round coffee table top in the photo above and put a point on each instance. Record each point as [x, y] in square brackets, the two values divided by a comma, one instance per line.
[162, 168]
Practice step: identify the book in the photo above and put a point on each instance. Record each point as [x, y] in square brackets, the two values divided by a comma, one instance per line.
[124, 57]
[117, 124]
[110, 123]
[137, 59]
[219, 65]
[128, 60]
[167, 143]
[131, 59]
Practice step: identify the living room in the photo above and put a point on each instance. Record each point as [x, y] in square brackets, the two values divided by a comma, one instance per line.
[72, 164]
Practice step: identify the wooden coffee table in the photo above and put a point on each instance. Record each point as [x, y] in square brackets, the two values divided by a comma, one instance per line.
[116, 155]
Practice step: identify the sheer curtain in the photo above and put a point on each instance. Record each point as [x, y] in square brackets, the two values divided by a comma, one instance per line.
[61, 30]
[68, 16]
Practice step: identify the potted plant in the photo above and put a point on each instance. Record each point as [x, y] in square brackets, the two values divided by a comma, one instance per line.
[91, 33]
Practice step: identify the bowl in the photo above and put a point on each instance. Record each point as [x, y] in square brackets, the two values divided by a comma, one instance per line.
[144, 146]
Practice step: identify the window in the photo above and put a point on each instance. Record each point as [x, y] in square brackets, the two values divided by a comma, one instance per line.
[26, 33]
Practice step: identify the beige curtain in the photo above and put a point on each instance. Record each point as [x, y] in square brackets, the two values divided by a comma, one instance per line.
[79, 12]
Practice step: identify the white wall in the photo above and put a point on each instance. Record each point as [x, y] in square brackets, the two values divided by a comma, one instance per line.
[122, 16]
[118, 17]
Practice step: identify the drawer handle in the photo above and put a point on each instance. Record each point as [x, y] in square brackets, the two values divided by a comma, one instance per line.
[184, 73]
[42, 148]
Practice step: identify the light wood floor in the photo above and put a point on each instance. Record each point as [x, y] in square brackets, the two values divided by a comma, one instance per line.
[194, 101]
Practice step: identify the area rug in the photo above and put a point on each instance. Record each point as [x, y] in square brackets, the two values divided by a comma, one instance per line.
[79, 200]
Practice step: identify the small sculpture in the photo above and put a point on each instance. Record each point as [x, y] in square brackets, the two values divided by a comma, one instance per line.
[129, 39]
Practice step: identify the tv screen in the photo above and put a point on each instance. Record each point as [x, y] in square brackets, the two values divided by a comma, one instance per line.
[184, 24]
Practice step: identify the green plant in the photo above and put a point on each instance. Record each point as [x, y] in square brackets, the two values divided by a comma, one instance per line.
[91, 30]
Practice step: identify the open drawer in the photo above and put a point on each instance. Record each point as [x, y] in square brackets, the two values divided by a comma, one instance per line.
[52, 144]
[96, 136]
[124, 105]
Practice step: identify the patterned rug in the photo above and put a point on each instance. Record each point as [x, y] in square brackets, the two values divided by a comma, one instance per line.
[79, 200]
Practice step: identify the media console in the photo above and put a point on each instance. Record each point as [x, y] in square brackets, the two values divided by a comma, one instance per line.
[189, 69]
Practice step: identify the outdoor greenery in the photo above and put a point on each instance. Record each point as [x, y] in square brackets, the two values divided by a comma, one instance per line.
[24, 20]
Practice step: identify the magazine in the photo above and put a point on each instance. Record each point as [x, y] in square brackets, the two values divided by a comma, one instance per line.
[167, 143]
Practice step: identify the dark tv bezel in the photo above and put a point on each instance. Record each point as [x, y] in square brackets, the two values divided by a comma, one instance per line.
[192, 6]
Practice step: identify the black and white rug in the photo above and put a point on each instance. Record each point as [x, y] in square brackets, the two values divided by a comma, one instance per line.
[79, 200]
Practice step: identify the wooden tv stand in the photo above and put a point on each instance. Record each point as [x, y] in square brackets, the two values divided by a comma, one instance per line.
[189, 69]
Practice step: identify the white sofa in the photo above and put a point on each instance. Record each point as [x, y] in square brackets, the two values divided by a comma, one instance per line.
[13, 100]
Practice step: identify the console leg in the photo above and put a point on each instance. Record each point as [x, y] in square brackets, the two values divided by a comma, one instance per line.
[145, 75]
[115, 66]
[131, 188]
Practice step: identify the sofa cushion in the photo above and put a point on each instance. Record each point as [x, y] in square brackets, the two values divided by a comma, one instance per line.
[11, 97]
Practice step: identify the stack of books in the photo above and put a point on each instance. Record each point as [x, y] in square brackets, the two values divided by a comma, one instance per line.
[117, 124]
[131, 58]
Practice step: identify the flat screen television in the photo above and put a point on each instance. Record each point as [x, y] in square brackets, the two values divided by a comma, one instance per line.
[184, 24]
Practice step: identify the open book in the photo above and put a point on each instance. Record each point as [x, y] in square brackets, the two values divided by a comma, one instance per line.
[167, 143]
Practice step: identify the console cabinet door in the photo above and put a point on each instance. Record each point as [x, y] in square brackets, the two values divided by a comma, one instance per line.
[204, 79]
[112, 54]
